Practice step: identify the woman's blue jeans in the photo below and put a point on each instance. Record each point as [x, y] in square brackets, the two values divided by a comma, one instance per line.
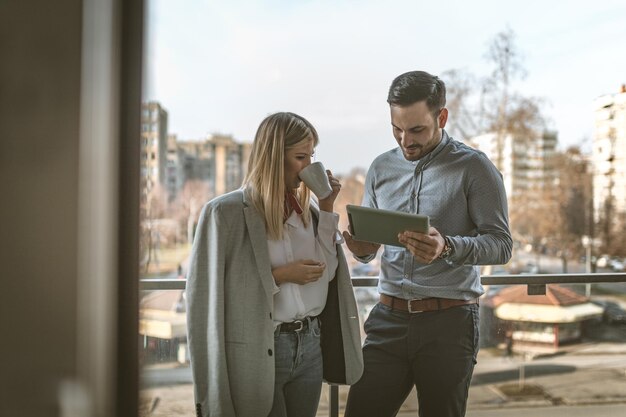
[298, 372]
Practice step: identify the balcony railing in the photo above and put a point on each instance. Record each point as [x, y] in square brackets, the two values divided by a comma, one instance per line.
[536, 285]
[523, 279]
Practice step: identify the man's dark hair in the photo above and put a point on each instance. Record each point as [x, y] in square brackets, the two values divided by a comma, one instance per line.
[414, 86]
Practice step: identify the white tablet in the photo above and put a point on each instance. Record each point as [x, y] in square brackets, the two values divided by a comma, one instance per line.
[383, 226]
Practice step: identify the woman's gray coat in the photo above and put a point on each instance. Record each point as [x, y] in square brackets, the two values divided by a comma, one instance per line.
[229, 314]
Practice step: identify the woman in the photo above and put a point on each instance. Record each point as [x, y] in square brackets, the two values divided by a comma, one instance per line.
[269, 292]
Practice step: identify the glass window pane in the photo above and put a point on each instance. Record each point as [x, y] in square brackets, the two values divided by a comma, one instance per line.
[563, 166]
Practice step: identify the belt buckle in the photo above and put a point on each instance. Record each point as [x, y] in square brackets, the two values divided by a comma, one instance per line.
[411, 311]
[301, 322]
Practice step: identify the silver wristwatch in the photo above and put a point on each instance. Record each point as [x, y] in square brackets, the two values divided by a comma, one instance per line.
[447, 249]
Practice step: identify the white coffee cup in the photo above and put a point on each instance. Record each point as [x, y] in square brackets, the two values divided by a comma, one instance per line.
[315, 177]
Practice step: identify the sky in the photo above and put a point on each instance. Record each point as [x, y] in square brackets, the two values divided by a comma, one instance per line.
[223, 66]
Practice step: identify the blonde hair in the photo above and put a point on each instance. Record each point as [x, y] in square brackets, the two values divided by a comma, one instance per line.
[265, 180]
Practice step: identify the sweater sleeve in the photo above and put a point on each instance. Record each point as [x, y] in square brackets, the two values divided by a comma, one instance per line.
[487, 207]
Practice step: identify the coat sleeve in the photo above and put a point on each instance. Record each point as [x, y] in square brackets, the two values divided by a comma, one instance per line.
[205, 316]
[350, 313]
[341, 340]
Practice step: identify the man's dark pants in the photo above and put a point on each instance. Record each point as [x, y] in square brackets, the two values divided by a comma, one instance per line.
[435, 351]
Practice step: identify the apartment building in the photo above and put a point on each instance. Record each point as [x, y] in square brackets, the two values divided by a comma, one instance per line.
[174, 168]
[609, 158]
[218, 159]
[154, 139]
[526, 163]
[168, 162]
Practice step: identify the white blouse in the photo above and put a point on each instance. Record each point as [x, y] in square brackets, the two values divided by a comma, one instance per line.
[294, 301]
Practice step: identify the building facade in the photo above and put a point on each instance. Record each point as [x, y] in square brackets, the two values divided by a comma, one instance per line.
[526, 163]
[154, 132]
[219, 160]
[174, 167]
[609, 160]
[169, 163]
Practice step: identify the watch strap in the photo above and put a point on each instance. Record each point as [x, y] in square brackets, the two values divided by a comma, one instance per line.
[447, 249]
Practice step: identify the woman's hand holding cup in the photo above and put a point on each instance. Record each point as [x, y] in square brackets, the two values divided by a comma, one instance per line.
[323, 184]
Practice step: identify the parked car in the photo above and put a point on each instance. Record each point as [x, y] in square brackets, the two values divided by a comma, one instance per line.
[583, 259]
[613, 312]
[531, 268]
[616, 265]
[603, 261]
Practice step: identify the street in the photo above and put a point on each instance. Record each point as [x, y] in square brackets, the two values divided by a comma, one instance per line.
[576, 384]
[610, 410]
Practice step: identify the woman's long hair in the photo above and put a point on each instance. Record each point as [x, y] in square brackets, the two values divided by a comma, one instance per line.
[265, 180]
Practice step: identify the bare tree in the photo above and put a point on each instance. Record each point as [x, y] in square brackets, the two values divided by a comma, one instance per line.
[154, 206]
[491, 104]
[462, 103]
[558, 214]
[507, 63]
[619, 245]
[534, 216]
[574, 196]
[187, 205]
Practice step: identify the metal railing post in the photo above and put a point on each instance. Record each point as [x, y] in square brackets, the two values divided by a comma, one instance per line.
[333, 401]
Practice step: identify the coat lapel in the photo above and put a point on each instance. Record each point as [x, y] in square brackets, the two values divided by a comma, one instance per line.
[258, 238]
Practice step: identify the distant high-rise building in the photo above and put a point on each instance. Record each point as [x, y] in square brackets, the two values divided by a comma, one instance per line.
[174, 173]
[219, 159]
[609, 159]
[153, 146]
[526, 163]
[167, 162]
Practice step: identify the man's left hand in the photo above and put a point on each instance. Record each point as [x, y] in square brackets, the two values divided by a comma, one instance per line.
[424, 247]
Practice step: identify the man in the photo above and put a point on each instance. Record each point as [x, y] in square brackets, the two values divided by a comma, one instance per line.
[424, 330]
